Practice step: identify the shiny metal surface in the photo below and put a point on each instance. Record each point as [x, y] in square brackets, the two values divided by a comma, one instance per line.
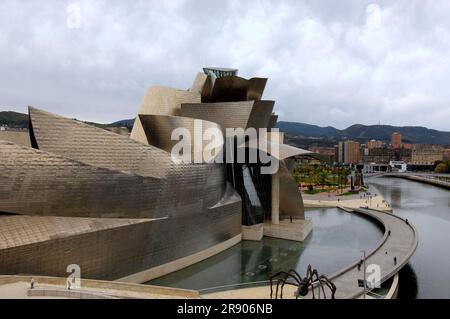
[117, 205]
[291, 202]
[84, 173]
[232, 115]
[162, 101]
[234, 88]
[159, 129]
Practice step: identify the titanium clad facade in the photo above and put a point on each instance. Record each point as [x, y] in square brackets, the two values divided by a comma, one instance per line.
[41, 184]
[121, 206]
[234, 88]
[159, 130]
[232, 115]
[162, 101]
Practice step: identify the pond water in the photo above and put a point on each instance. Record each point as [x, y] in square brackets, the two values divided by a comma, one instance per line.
[335, 242]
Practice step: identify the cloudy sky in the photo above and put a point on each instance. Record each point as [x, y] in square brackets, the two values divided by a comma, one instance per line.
[328, 62]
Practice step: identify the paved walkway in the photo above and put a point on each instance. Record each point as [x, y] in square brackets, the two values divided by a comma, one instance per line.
[401, 243]
[375, 202]
[16, 287]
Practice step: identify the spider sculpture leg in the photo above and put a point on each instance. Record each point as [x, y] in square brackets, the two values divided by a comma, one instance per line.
[271, 285]
[291, 274]
[315, 278]
[278, 274]
[284, 275]
[329, 284]
[310, 275]
[286, 282]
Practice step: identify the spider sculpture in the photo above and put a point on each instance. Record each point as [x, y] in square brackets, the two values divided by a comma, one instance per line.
[309, 282]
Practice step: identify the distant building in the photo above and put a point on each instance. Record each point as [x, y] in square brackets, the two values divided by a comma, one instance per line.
[407, 146]
[349, 152]
[396, 140]
[386, 155]
[447, 154]
[327, 153]
[398, 166]
[424, 154]
[374, 144]
[340, 152]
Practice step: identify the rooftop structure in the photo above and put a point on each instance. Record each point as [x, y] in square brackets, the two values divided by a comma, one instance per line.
[220, 72]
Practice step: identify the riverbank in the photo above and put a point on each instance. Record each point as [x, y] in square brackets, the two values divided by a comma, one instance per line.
[366, 200]
[427, 179]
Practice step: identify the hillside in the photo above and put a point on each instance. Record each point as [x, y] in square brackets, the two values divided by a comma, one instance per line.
[410, 134]
[301, 133]
[20, 120]
[14, 119]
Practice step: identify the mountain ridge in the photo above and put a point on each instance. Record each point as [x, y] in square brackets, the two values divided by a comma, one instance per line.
[359, 132]
[410, 134]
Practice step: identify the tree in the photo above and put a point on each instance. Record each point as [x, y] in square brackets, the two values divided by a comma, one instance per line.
[441, 168]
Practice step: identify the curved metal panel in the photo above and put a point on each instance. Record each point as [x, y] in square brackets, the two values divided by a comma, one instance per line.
[243, 114]
[234, 88]
[226, 114]
[41, 183]
[291, 201]
[108, 248]
[162, 101]
[199, 83]
[260, 115]
[96, 146]
[273, 121]
[159, 130]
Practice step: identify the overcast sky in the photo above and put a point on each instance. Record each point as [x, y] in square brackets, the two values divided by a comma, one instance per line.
[328, 62]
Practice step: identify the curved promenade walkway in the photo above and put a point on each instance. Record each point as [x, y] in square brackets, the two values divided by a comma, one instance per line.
[401, 243]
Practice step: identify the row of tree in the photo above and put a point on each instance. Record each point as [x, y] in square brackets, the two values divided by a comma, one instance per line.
[321, 175]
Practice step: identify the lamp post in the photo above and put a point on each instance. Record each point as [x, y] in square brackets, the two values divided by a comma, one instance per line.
[364, 272]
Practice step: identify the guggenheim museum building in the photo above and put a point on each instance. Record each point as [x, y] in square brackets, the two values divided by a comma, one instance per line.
[122, 207]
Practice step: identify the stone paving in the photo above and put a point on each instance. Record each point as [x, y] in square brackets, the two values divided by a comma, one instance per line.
[375, 201]
[19, 290]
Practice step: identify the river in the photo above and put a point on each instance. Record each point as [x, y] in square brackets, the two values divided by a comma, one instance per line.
[428, 208]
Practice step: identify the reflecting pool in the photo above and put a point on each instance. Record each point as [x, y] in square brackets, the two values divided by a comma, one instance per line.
[335, 242]
[428, 208]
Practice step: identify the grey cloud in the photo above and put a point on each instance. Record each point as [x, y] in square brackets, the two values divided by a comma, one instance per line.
[328, 62]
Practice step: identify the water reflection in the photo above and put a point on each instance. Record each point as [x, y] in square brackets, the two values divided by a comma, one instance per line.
[408, 288]
[427, 207]
[336, 241]
[396, 198]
